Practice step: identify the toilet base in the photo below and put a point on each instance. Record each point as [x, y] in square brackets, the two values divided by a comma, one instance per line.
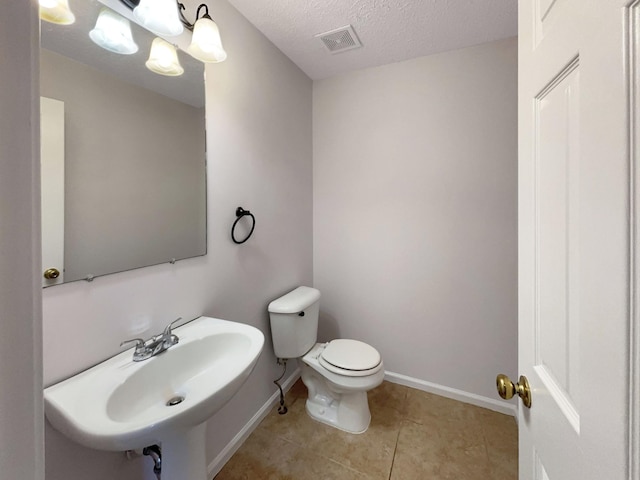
[335, 400]
[350, 413]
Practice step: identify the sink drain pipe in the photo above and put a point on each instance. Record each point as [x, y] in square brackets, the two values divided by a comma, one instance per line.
[156, 455]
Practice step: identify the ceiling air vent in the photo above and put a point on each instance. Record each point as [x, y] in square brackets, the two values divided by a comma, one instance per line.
[340, 40]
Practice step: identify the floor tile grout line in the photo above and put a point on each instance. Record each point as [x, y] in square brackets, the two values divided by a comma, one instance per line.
[395, 450]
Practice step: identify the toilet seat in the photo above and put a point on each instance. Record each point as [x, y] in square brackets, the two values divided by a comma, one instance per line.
[350, 358]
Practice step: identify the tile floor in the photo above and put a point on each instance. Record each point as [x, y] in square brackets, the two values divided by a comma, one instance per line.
[413, 435]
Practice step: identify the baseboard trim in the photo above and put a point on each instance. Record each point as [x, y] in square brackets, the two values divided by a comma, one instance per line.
[232, 447]
[460, 395]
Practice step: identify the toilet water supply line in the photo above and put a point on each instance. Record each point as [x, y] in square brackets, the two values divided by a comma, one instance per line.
[282, 409]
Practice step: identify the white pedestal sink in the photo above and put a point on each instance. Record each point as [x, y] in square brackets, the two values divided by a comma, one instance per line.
[123, 405]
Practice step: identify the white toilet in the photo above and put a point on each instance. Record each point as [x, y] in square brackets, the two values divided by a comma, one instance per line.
[337, 374]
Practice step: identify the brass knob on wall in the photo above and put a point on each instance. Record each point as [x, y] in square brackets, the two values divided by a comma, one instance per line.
[506, 388]
[51, 273]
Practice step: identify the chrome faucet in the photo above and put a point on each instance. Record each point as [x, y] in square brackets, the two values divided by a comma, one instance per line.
[153, 346]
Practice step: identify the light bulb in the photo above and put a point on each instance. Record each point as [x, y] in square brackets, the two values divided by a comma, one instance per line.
[56, 11]
[113, 32]
[159, 16]
[163, 59]
[206, 44]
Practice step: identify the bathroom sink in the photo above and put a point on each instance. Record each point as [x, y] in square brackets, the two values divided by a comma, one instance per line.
[124, 405]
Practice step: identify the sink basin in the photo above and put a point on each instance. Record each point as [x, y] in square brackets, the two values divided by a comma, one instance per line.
[124, 405]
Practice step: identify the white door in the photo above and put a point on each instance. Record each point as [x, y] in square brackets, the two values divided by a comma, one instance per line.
[578, 74]
[52, 181]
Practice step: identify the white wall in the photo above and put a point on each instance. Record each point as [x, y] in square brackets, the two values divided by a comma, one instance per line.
[21, 418]
[415, 212]
[259, 157]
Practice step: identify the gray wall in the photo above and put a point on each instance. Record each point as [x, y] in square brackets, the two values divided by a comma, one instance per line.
[21, 416]
[259, 141]
[415, 213]
[134, 171]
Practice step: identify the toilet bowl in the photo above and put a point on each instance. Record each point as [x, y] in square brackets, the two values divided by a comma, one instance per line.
[338, 393]
[337, 374]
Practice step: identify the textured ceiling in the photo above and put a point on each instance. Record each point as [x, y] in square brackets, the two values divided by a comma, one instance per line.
[390, 30]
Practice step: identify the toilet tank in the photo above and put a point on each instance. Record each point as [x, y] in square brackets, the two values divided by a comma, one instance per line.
[294, 322]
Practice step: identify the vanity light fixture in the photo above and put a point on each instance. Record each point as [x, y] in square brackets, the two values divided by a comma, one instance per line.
[165, 19]
[163, 59]
[206, 44]
[113, 32]
[56, 11]
[159, 16]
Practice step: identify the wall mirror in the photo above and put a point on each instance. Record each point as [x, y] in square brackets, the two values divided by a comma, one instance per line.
[123, 154]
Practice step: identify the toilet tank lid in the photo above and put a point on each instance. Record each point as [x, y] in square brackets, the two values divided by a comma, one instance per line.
[295, 301]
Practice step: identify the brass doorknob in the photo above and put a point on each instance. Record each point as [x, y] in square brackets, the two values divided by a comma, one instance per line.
[51, 273]
[506, 388]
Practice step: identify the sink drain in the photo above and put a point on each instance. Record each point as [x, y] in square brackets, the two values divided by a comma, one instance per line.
[175, 401]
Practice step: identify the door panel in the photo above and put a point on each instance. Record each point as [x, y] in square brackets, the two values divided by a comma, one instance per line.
[544, 7]
[545, 13]
[557, 239]
[541, 473]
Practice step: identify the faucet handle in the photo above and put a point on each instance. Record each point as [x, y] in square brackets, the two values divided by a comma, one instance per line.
[139, 342]
[167, 330]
